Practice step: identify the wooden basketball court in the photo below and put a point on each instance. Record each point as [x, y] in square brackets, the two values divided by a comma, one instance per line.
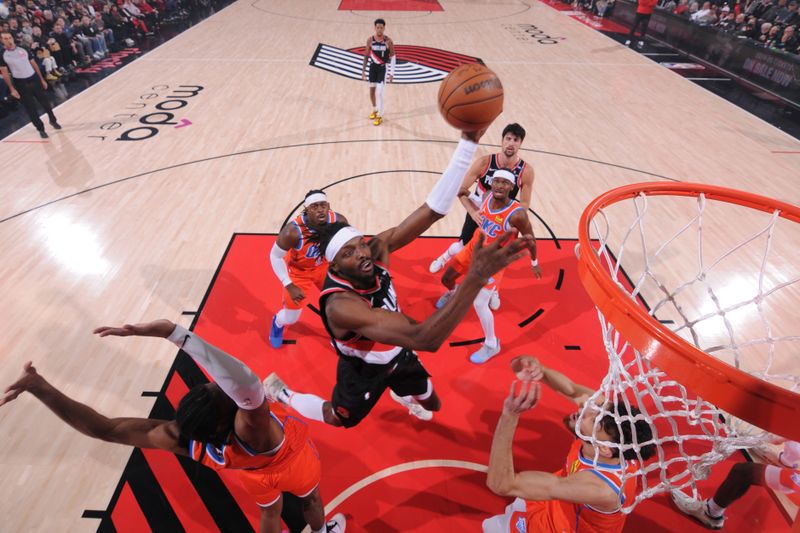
[126, 214]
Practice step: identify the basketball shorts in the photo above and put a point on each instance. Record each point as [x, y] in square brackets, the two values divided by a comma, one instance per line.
[463, 259]
[307, 281]
[785, 481]
[359, 385]
[299, 476]
[377, 74]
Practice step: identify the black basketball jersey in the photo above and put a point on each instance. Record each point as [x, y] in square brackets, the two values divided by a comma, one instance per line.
[379, 50]
[483, 182]
[381, 296]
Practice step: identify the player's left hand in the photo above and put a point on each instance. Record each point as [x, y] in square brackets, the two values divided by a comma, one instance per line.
[527, 368]
[156, 328]
[27, 380]
[527, 398]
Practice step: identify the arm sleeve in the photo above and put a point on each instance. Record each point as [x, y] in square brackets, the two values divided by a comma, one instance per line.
[233, 377]
[444, 192]
[276, 256]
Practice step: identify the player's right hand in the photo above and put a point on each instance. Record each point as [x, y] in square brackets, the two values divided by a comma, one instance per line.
[489, 260]
[474, 136]
[156, 328]
[528, 397]
[295, 293]
[27, 380]
[527, 368]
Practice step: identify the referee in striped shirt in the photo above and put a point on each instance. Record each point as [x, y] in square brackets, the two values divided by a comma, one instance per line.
[25, 82]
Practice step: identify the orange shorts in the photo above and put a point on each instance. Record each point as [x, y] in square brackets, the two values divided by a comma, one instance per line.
[306, 280]
[300, 476]
[548, 516]
[463, 259]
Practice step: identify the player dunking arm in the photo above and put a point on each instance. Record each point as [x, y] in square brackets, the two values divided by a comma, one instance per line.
[498, 213]
[783, 476]
[227, 424]
[479, 173]
[378, 52]
[306, 266]
[584, 495]
[374, 340]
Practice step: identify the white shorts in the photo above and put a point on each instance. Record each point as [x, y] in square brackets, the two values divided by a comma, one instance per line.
[502, 523]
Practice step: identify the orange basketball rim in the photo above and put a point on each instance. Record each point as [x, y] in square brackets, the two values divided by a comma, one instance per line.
[763, 404]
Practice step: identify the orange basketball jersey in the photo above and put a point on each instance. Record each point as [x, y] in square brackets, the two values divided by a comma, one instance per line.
[305, 256]
[560, 516]
[494, 223]
[237, 455]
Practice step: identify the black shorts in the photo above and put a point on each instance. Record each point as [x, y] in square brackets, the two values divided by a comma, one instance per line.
[468, 229]
[377, 73]
[360, 385]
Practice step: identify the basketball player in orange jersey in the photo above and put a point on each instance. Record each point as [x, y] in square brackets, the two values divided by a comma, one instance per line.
[498, 213]
[479, 173]
[227, 424]
[306, 268]
[583, 496]
[374, 340]
[378, 52]
[783, 476]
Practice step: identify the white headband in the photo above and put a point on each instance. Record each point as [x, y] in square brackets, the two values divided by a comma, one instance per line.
[503, 174]
[314, 198]
[339, 239]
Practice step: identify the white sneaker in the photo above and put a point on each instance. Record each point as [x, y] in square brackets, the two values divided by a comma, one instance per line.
[336, 524]
[640, 44]
[696, 509]
[485, 353]
[439, 262]
[275, 389]
[628, 42]
[494, 301]
[413, 407]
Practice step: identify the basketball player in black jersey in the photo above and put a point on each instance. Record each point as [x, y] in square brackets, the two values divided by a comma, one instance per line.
[375, 341]
[480, 172]
[379, 52]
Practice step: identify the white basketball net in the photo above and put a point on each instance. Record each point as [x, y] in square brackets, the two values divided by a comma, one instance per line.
[690, 434]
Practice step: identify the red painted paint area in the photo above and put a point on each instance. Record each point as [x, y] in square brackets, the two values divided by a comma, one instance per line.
[127, 515]
[593, 21]
[176, 390]
[246, 295]
[390, 5]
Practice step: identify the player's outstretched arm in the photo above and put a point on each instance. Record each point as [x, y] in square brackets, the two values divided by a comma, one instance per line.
[348, 312]
[139, 432]
[440, 199]
[233, 377]
[528, 368]
[522, 223]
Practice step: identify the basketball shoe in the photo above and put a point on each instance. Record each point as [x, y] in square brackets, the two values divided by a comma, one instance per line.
[443, 299]
[373, 115]
[276, 334]
[336, 524]
[377, 121]
[697, 509]
[275, 389]
[440, 262]
[413, 407]
[485, 353]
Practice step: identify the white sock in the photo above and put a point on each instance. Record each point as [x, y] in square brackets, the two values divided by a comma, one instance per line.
[308, 405]
[379, 98]
[287, 317]
[713, 510]
[485, 316]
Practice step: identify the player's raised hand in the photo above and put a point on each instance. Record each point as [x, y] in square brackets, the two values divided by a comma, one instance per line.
[527, 368]
[29, 378]
[474, 136]
[527, 397]
[489, 260]
[156, 328]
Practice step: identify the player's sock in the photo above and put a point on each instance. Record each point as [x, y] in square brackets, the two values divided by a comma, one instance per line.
[287, 317]
[308, 405]
[713, 510]
[485, 316]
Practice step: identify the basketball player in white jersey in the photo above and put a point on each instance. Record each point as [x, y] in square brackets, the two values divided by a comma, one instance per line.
[479, 173]
[374, 340]
[379, 52]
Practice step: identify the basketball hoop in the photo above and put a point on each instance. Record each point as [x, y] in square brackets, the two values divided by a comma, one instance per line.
[694, 286]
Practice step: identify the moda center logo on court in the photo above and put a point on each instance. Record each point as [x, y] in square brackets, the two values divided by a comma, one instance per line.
[415, 64]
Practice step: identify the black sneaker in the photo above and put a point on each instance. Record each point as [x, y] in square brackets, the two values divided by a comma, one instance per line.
[55, 124]
[43, 134]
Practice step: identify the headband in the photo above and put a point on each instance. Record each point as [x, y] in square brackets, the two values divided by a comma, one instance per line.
[314, 198]
[338, 240]
[503, 174]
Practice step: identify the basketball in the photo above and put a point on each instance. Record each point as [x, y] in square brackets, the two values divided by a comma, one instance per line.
[471, 97]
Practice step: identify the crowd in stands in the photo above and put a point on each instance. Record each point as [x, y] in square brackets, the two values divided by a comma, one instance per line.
[65, 35]
[772, 23]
